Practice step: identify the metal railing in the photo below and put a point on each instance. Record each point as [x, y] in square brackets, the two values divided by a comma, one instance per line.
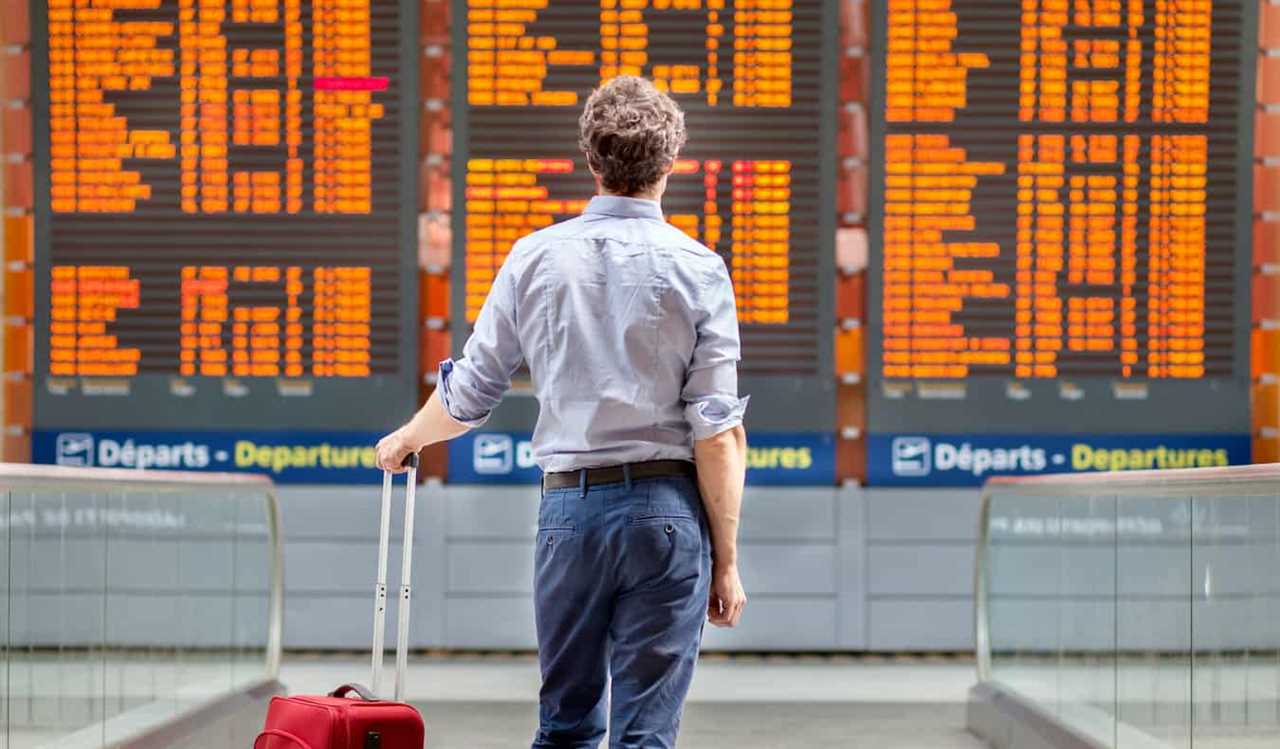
[1133, 609]
[135, 603]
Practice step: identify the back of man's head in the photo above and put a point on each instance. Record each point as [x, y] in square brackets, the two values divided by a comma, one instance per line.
[630, 133]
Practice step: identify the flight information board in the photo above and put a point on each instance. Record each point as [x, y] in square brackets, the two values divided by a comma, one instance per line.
[755, 181]
[1060, 221]
[225, 222]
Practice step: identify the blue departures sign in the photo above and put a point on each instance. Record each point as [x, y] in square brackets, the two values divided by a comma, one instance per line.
[285, 457]
[970, 459]
[804, 459]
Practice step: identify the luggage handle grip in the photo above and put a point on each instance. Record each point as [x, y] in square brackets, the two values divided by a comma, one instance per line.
[271, 733]
[359, 689]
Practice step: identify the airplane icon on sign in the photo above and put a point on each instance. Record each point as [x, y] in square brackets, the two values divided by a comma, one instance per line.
[911, 456]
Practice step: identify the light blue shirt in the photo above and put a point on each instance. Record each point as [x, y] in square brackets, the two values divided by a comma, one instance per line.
[631, 335]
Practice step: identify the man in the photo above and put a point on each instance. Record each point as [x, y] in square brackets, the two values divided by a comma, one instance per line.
[631, 336]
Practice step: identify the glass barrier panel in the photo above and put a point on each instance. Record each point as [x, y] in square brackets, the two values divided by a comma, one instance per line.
[1234, 625]
[1086, 565]
[172, 526]
[128, 603]
[1153, 614]
[56, 613]
[1139, 609]
[252, 590]
[206, 569]
[1027, 558]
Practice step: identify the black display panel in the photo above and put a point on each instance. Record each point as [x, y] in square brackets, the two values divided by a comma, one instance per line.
[756, 79]
[226, 214]
[1060, 221]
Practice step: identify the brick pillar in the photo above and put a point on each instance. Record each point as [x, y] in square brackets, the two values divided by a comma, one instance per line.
[19, 231]
[851, 243]
[435, 237]
[1266, 241]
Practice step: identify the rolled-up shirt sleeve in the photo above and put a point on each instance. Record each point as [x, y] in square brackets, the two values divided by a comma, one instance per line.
[710, 390]
[473, 385]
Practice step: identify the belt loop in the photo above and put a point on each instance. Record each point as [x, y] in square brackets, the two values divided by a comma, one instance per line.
[582, 482]
[626, 475]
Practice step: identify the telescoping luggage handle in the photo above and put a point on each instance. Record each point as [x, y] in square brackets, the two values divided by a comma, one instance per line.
[380, 587]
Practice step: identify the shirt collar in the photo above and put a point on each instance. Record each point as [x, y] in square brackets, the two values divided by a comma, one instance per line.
[615, 205]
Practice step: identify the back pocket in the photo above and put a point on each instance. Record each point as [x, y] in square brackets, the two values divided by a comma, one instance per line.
[669, 499]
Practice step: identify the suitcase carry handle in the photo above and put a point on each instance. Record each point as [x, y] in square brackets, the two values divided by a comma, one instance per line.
[271, 733]
[380, 585]
[360, 691]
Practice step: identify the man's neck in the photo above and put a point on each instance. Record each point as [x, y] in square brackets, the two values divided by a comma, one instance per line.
[654, 196]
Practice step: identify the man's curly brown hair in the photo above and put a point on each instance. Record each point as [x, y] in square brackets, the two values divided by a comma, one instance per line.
[630, 133]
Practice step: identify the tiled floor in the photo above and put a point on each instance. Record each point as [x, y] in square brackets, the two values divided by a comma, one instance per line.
[751, 680]
[473, 702]
[489, 703]
[719, 725]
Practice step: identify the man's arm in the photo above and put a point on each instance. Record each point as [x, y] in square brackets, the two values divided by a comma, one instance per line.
[722, 469]
[469, 388]
[714, 413]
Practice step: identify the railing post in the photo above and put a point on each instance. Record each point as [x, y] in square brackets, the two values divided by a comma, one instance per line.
[981, 618]
[275, 613]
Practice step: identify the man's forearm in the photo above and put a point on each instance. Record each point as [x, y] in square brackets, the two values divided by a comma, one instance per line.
[432, 424]
[722, 470]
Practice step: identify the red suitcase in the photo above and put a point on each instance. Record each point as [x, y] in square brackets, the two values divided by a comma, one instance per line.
[336, 720]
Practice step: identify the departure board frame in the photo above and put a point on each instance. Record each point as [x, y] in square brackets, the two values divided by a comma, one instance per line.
[1070, 404]
[784, 405]
[286, 407]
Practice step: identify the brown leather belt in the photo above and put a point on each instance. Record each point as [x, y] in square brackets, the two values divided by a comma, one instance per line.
[649, 469]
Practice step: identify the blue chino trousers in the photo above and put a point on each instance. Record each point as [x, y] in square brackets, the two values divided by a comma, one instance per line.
[622, 574]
